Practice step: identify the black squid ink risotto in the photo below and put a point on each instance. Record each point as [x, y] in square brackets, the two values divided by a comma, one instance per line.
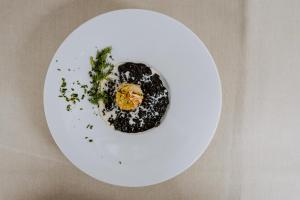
[138, 98]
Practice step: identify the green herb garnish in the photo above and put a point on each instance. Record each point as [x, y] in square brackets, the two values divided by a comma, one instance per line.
[74, 95]
[63, 88]
[84, 87]
[64, 83]
[74, 98]
[101, 68]
[68, 107]
[90, 126]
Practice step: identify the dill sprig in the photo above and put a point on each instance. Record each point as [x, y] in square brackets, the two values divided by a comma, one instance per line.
[101, 68]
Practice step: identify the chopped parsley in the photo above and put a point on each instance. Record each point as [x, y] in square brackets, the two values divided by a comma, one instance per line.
[68, 107]
[74, 98]
[74, 95]
[90, 126]
[87, 138]
[63, 83]
[63, 90]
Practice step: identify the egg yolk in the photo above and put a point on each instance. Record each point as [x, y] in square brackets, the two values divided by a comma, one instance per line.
[129, 96]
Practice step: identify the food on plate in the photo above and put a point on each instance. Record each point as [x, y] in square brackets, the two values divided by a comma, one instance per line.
[131, 97]
[137, 98]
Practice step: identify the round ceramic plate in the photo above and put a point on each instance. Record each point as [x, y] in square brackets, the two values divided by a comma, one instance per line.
[160, 153]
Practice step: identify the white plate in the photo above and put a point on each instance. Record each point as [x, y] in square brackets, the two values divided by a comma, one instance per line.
[195, 94]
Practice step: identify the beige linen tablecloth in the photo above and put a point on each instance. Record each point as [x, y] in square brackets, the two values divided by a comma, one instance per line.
[255, 153]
